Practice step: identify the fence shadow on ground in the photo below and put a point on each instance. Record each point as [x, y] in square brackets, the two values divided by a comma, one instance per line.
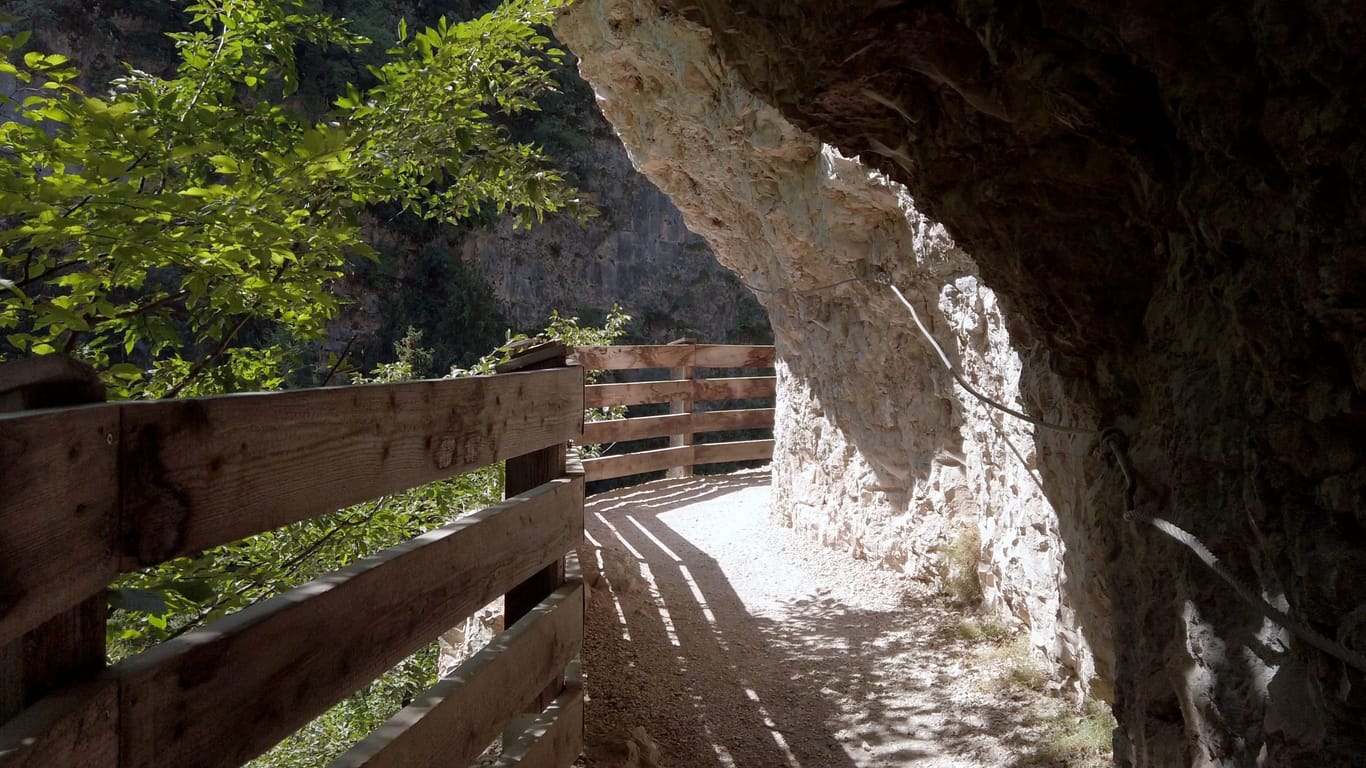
[673, 650]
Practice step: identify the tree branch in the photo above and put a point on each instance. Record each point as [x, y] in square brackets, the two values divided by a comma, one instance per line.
[340, 359]
[203, 365]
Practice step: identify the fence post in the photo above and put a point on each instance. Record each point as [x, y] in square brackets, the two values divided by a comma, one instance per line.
[69, 647]
[522, 473]
[683, 405]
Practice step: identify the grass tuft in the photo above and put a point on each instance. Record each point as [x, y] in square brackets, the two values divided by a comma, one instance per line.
[956, 568]
[1077, 740]
[1020, 669]
[978, 629]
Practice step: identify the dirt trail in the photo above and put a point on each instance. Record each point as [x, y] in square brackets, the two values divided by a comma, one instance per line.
[716, 639]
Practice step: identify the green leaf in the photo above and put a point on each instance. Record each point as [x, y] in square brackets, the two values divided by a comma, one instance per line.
[224, 164]
[125, 371]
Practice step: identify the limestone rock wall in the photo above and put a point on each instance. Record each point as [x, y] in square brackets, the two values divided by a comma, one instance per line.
[879, 452]
[1167, 199]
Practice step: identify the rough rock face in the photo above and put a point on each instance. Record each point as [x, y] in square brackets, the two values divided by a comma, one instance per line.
[878, 451]
[637, 253]
[1167, 199]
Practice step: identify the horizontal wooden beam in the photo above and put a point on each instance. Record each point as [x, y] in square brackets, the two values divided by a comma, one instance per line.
[76, 728]
[742, 388]
[733, 356]
[634, 357]
[635, 393]
[718, 421]
[454, 720]
[608, 467]
[743, 450]
[200, 473]
[58, 512]
[224, 694]
[552, 739]
[639, 428]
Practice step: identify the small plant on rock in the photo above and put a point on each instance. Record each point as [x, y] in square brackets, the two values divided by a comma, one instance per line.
[956, 568]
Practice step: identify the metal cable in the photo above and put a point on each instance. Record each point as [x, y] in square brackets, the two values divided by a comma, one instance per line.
[1114, 440]
[1115, 444]
[803, 291]
[963, 382]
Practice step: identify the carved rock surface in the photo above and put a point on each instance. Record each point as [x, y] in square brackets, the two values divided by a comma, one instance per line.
[1166, 199]
[879, 452]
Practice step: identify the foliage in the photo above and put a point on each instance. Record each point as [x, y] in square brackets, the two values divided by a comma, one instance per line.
[571, 333]
[956, 567]
[566, 330]
[1084, 740]
[149, 230]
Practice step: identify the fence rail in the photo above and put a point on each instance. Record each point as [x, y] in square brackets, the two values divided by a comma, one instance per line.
[683, 391]
[92, 490]
[96, 490]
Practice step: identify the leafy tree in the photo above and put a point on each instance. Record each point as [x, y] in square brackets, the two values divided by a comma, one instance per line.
[150, 231]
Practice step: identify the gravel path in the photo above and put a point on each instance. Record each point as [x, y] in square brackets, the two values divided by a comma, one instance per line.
[715, 639]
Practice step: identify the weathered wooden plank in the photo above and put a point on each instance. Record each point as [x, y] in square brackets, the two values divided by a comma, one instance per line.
[222, 695]
[740, 388]
[743, 450]
[635, 393]
[536, 357]
[68, 647]
[609, 467]
[553, 739]
[58, 512]
[454, 720]
[74, 729]
[717, 421]
[200, 473]
[639, 428]
[733, 356]
[634, 357]
[48, 381]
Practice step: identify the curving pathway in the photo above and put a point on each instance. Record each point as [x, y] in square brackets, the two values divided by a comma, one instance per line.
[715, 639]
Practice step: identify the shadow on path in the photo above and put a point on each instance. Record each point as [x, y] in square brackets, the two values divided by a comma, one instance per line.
[705, 643]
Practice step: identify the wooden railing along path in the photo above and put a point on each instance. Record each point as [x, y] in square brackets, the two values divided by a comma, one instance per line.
[89, 492]
[683, 390]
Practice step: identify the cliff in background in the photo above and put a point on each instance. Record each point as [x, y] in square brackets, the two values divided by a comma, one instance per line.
[464, 288]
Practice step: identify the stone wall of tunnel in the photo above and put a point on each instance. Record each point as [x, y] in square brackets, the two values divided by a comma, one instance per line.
[879, 452]
[1166, 200]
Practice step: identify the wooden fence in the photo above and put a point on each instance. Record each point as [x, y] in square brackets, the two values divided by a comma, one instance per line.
[683, 391]
[89, 492]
